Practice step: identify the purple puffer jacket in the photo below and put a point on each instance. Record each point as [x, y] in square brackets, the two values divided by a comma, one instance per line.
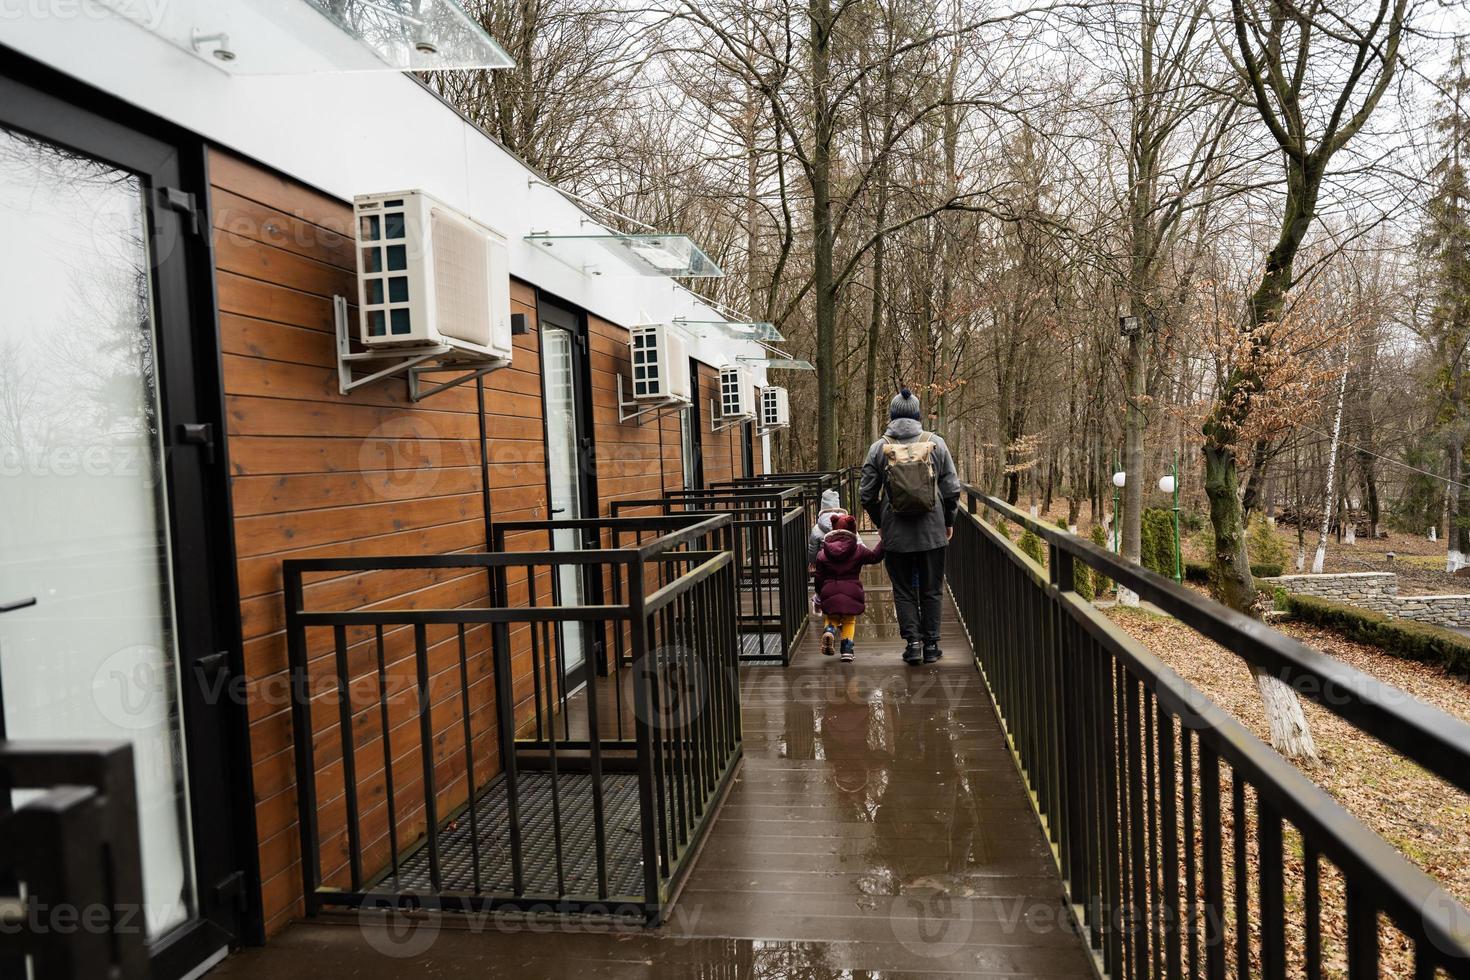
[839, 569]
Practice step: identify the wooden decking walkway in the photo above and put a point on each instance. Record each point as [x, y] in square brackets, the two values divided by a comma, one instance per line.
[877, 828]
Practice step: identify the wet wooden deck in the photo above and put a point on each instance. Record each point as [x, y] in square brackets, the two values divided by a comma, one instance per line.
[877, 828]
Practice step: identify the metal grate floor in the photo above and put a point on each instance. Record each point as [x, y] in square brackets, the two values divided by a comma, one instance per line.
[760, 645]
[538, 840]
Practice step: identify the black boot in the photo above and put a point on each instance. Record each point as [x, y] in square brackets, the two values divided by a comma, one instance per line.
[932, 653]
[913, 653]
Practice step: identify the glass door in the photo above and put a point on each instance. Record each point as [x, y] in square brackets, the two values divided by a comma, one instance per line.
[563, 354]
[108, 553]
[85, 532]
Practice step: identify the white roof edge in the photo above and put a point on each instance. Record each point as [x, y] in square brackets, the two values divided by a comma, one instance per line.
[349, 134]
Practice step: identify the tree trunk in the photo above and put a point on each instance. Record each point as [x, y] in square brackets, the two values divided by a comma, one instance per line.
[1133, 457]
[1457, 501]
[1233, 583]
[1297, 506]
[824, 290]
[1327, 499]
[1143, 165]
[1290, 734]
[1457, 533]
[875, 329]
[875, 317]
[1370, 486]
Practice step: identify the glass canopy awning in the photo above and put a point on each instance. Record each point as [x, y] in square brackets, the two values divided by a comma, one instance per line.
[733, 329]
[612, 254]
[777, 363]
[292, 37]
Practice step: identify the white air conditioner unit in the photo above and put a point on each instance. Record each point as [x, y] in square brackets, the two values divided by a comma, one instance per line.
[775, 407]
[660, 364]
[427, 274]
[737, 398]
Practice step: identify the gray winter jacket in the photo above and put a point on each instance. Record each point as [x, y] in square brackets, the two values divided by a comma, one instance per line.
[831, 504]
[919, 532]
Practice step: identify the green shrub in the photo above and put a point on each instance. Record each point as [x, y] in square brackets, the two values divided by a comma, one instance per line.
[1264, 547]
[1398, 637]
[1002, 527]
[1417, 507]
[1031, 545]
[1192, 521]
[1203, 573]
[1268, 556]
[1082, 581]
[1081, 572]
[1156, 541]
[1100, 582]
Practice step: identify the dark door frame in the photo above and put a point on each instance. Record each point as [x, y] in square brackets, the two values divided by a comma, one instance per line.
[747, 449]
[173, 167]
[696, 428]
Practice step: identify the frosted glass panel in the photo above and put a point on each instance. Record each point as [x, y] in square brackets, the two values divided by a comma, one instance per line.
[558, 383]
[688, 450]
[83, 528]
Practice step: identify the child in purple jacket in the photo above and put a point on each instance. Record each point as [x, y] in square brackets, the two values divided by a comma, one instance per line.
[839, 567]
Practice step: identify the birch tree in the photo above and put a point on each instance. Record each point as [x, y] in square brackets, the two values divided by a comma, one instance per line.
[1327, 496]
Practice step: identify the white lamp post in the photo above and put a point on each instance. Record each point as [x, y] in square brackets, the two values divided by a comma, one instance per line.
[1169, 483]
[1119, 478]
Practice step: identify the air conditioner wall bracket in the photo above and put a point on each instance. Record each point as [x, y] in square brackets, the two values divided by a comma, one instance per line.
[719, 423]
[409, 363]
[637, 411]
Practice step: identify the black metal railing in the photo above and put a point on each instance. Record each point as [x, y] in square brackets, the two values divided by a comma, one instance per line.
[535, 730]
[770, 530]
[809, 484]
[1174, 826]
[71, 874]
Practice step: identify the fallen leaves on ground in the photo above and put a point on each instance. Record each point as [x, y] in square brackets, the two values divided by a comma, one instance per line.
[1421, 815]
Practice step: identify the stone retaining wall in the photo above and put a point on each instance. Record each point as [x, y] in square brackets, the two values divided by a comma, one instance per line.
[1379, 591]
[1440, 610]
[1368, 590]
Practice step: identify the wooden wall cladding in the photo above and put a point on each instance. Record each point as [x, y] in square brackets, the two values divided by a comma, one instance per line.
[315, 473]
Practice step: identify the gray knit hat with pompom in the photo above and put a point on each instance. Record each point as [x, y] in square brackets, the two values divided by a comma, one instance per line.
[904, 406]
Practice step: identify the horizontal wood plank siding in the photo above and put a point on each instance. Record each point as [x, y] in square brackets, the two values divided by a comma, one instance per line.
[315, 473]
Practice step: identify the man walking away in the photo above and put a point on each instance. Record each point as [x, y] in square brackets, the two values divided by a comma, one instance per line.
[911, 491]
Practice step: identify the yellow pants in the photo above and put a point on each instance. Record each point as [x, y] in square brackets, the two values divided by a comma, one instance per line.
[846, 625]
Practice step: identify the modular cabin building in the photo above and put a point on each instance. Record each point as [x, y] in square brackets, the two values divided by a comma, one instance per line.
[179, 252]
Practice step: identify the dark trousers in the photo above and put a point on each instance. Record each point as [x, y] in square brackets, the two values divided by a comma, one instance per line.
[918, 592]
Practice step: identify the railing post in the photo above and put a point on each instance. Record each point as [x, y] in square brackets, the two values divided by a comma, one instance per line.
[301, 738]
[1062, 568]
[642, 708]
